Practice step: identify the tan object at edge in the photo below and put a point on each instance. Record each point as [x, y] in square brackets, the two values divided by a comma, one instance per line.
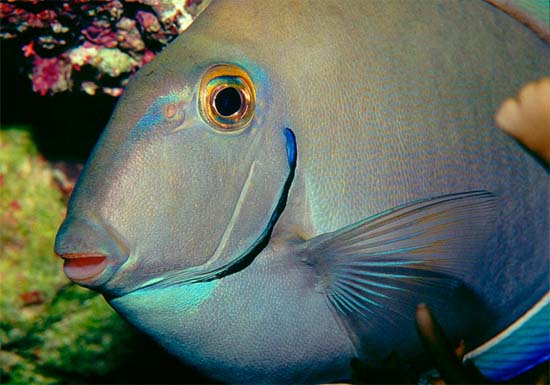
[527, 117]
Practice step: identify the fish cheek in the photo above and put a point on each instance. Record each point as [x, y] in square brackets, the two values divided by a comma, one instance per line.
[197, 197]
[175, 200]
[258, 196]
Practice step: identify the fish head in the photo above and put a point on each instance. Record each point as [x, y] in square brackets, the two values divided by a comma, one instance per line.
[188, 177]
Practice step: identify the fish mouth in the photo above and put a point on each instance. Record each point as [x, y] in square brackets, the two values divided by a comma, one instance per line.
[83, 267]
[92, 250]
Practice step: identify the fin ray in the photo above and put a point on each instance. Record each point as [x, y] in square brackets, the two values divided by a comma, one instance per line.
[376, 271]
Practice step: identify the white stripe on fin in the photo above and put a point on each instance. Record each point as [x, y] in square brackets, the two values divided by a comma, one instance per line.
[523, 345]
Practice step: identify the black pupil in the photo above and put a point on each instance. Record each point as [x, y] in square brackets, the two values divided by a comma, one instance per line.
[228, 101]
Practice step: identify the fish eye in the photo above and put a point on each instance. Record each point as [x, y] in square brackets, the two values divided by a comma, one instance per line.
[227, 98]
[227, 101]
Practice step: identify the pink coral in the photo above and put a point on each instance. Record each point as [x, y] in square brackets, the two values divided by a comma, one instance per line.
[148, 21]
[100, 33]
[112, 37]
[51, 75]
[44, 18]
[147, 57]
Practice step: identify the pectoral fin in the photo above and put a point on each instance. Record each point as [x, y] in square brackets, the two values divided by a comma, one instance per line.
[374, 273]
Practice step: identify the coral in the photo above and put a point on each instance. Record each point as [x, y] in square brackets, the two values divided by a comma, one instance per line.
[90, 45]
[51, 75]
[128, 36]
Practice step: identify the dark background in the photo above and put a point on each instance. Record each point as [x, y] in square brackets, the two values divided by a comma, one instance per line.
[66, 125]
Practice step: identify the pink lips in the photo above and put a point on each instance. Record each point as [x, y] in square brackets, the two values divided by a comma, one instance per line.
[83, 267]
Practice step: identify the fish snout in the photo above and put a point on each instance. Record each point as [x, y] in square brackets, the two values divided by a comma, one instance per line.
[90, 252]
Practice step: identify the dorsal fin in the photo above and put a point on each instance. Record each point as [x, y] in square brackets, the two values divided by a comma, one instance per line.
[535, 14]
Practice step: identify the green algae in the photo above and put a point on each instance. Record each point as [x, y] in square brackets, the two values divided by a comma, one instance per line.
[51, 331]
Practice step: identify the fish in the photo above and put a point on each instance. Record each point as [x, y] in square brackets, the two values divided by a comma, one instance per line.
[278, 190]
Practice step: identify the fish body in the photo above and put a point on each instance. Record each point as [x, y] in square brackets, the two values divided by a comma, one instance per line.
[365, 177]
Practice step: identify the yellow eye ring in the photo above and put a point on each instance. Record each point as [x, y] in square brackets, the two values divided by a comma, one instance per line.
[227, 98]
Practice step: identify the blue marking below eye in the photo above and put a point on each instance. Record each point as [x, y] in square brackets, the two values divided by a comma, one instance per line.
[149, 119]
[291, 147]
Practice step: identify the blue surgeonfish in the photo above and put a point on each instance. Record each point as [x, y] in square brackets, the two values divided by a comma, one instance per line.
[280, 188]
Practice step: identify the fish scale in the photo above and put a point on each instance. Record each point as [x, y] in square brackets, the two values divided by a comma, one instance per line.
[369, 179]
